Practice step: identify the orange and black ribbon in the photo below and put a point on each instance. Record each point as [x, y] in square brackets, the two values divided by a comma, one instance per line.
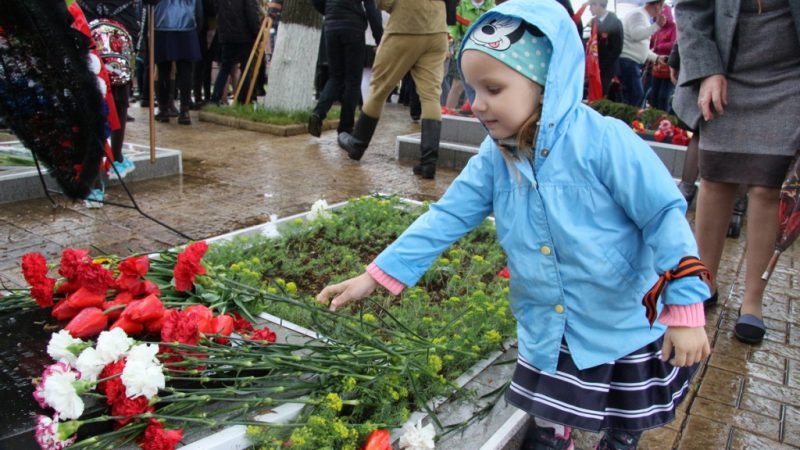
[687, 267]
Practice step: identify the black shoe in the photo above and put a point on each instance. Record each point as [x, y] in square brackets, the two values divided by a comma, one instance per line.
[172, 111]
[162, 117]
[749, 329]
[129, 118]
[356, 144]
[619, 440]
[541, 438]
[184, 118]
[315, 125]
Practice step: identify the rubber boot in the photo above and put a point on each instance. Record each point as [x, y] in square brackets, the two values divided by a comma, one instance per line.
[356, 144]
[429, 148]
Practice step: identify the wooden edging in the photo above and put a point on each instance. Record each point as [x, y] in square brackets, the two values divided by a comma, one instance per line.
[262, 127]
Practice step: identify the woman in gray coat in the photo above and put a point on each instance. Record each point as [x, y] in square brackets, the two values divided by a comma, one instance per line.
[739, 85]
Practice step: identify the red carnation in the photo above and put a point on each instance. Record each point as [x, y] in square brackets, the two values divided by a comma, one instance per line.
[34, 267]
[71, 260]
[135, 265]
[240, 323]
[155, 437]
[188, 265]
[180, 327]
[113, 387]
[504, 272]
[263, 334]
[128, 407]
[95, 277]
[42, 292]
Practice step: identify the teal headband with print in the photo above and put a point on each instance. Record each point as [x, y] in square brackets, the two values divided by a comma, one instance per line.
[515, 43]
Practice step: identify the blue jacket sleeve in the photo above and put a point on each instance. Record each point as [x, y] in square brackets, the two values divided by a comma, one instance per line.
[467, 202]
[639, 182]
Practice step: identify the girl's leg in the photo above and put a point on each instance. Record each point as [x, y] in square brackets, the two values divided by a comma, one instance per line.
[762, 209]
[713, 213]
[545, 435]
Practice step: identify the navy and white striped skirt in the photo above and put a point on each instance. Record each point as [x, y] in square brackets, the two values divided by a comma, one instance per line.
[634, 393]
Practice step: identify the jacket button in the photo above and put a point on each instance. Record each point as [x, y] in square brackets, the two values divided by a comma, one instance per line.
[559, 309]
[545, 152]
[546, 250]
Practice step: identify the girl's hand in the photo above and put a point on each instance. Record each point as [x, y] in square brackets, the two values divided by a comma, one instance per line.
[348, 291]
[690, 345]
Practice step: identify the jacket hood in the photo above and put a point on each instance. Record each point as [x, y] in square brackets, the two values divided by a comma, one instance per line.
[563, 90]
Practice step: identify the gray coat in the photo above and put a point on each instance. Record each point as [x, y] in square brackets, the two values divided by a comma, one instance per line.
[705, 36]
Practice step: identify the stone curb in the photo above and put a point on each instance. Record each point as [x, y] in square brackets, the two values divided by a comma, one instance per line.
[262, 127]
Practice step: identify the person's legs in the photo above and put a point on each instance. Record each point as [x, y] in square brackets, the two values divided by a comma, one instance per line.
[454, 95]
[336, 48]
[630, 75]
[762, 209]
[354, 51]
[162, 90]
[229, 57]
[398, 52]
[120, 94]
[713, 213]
[183, 78]
[243, 54]
[428, 74]
[690, 169]
[546, 435]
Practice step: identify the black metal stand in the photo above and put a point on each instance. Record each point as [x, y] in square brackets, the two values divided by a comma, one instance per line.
[134, 205]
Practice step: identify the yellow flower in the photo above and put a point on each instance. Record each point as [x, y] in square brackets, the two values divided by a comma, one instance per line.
[477, 258]
[298, 221]
[427, 320]
[505, 290]
[435, 363]
[272, 290]
[341, 429]
[367, 317]
[280, 282]
[493, 336]
[439, 340]
[444, 261]
[333, 401]
[448, 357]
[476, 349]
[291, 287]
[349, 384]
[395, 395]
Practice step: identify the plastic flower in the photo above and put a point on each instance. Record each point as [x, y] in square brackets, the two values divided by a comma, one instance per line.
[113, 345]
[142, 377]
[155, 437]
[417, 437]
[52, 435]
[62, 390]
[62, 347]
[319, 210]
[90, 363]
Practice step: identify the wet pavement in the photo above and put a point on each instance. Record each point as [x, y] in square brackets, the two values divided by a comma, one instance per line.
[744, 397]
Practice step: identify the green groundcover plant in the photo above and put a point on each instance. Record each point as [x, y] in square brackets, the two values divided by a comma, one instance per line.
[460, 305]
[259, 114]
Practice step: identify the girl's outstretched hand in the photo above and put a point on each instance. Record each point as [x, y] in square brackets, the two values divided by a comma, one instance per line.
[689, 344]
[347, 291]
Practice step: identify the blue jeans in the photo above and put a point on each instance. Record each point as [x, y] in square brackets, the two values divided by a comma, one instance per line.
[630, 75]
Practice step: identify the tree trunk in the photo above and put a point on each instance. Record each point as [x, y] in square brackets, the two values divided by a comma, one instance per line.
[294, 61]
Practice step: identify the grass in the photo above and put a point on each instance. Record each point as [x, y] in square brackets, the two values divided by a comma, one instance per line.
[13, 160]
[259, 114]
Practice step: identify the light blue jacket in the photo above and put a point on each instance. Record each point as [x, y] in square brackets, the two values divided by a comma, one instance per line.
[588, 226]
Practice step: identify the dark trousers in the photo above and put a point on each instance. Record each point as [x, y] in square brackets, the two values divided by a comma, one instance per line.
[661, 93]
[607, 73]
[183, 78]
[120, 94]
[346, 50]
[232, 53]
[201, 78]
[630, 75]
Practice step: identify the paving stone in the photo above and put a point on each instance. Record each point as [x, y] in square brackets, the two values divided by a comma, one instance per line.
[703, 433]
[721, 385]
[741, 365]
[791, 426]
[755, 423]
[743, 440]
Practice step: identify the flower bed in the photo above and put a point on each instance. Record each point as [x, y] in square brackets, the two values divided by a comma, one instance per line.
[650, 124]
[373, 365]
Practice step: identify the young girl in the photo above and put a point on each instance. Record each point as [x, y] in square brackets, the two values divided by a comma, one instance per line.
[594, 228]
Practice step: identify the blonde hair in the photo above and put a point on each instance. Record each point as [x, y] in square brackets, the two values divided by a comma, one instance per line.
[525, 139]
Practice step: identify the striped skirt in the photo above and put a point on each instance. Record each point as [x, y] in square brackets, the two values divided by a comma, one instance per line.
[634, 393]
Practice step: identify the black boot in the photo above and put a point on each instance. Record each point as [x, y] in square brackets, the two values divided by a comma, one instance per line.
[429, 148]
[183, 117]
[356, 144]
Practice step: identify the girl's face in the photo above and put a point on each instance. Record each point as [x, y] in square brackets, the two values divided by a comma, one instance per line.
[504, 98]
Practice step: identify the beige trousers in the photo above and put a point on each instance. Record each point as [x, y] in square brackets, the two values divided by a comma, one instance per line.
[423, 55]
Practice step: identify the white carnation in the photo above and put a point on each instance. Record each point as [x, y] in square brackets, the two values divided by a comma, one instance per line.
[101, 85]
[59, 347]
[144, 353]
[417, 437]
[113, 345]
[60, 394]
[90, 363]
[141, 378]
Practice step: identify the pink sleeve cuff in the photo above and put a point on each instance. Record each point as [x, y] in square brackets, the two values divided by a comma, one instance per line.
[683, 315]
[384, 279]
